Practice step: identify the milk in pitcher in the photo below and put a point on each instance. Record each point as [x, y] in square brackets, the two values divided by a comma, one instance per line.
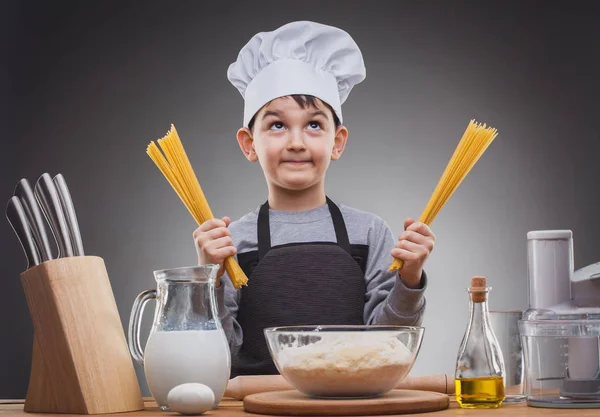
[175, 357]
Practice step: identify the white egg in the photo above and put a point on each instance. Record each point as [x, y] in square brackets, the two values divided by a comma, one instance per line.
[191, 398]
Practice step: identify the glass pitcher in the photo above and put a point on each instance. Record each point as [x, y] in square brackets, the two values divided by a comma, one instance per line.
[186, 342]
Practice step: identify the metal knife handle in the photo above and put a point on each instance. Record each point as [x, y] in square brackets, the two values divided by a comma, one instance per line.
[47, 196]
[71, 217]
[35, 217]
[18, 220]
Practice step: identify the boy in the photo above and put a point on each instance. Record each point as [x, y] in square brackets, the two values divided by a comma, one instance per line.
[308, 261]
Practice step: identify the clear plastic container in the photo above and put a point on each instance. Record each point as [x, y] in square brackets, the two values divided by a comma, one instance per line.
[561, 358]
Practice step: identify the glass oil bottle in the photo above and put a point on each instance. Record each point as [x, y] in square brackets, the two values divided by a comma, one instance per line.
[479, 374]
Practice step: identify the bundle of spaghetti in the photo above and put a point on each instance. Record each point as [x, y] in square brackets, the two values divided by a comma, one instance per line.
[474, 142]
[178, 171]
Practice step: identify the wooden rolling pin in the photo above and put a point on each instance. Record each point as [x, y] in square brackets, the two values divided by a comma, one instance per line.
[243, 385]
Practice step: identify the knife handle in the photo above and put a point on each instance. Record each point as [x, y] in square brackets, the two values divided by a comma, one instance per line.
[18, 220]
[36, 218]
[70, 216]
[47, 196]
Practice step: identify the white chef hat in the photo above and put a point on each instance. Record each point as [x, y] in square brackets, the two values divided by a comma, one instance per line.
[297, 58]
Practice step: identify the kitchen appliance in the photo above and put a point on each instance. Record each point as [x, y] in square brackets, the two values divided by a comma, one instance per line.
[560, 330]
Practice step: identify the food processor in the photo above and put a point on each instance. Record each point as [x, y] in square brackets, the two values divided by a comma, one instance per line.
[560, 331]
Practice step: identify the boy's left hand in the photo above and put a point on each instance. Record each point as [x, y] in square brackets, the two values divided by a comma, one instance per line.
[413, 247]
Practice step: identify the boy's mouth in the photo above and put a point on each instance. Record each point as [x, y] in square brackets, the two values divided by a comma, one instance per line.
[297, 162]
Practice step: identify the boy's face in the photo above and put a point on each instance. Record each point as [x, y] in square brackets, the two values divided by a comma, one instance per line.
[293, 145]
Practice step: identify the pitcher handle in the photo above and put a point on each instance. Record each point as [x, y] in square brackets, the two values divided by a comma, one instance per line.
[135, 347]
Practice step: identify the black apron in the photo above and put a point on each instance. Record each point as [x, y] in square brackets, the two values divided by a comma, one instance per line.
[297, 284]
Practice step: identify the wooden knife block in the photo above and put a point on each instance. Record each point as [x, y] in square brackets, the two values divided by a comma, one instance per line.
[80, 362]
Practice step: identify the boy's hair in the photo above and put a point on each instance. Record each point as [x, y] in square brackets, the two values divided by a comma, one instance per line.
[304, 101]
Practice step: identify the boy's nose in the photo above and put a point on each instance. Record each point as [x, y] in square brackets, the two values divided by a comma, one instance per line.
[296, 139]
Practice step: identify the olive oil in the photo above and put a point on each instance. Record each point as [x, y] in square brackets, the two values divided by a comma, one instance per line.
[480, 371]
[486, 392]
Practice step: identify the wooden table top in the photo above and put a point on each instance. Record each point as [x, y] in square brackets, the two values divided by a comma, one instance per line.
[233, 408]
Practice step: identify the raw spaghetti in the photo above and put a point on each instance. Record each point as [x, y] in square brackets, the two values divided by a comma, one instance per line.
[475, 141]
[177, 169]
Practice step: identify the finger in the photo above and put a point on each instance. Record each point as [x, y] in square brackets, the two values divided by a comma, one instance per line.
[413, 247]
[197, 232]
[426, 241]
[408, 222]
[219, 243]
[205, 238]
[226, 252]
[421, 228]
[413, 237]
[226, 220]
[209, 225]
[405, 255]
[217, 233]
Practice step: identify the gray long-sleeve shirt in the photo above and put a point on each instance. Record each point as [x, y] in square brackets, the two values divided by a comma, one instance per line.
[387, 300]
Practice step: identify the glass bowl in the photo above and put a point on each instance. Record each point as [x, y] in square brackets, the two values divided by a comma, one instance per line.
[333, 361]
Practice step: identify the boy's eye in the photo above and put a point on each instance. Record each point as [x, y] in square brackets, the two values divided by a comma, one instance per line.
[276, 126]
[314, 125]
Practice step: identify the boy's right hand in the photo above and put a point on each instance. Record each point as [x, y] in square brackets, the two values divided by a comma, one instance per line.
[214, 243]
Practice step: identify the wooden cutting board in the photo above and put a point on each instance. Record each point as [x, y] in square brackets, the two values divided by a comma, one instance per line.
[294, 403]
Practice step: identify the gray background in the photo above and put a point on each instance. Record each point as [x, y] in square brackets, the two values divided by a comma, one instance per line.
[86, 86]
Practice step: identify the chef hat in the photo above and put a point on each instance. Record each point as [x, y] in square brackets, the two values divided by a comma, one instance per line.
[297, 58]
